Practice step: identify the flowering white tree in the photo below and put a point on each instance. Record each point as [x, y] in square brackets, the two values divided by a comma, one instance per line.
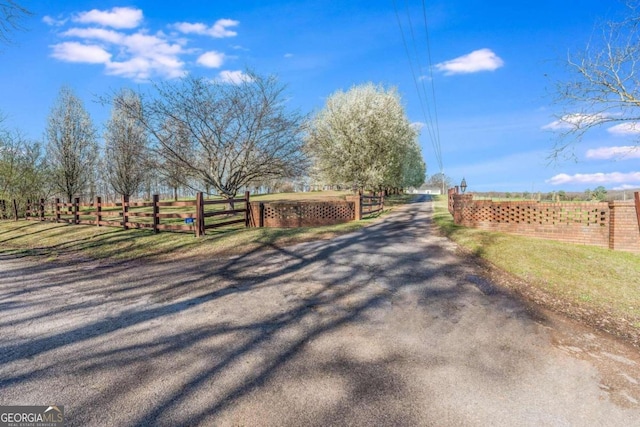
[72, 149]
[362, 138]
[414, 169]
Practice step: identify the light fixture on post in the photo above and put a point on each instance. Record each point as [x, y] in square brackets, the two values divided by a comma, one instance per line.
[463, 185]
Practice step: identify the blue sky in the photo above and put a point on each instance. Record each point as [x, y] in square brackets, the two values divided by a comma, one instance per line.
[493, 67]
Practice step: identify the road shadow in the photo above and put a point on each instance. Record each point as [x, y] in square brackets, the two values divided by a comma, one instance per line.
[220, 330]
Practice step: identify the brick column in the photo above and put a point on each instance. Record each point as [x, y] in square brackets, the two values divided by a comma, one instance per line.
[459, 202]
[623, 227]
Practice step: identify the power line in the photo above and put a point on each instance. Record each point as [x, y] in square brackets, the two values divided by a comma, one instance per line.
[434, 129]
[431, 124]
[433, 87]
[413, 74]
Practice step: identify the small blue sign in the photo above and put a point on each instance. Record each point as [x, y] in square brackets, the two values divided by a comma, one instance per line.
[188, 220]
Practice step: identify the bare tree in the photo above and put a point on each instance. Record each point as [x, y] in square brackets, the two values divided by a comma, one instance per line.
[604, 87]
[71, 145]
[11, 13]
[239, 132]
[126, 146]
[23, 174]
[439, 180]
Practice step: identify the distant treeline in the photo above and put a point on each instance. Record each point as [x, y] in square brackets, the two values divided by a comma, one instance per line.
[597, 194]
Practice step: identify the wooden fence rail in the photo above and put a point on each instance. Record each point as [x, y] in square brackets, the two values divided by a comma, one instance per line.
[127, 214]
[372, 204]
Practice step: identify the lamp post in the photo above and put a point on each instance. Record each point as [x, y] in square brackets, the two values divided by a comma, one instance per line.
[463, 185]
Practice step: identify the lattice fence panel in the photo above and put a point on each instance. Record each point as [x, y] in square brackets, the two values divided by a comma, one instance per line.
[542, 213]
[307, 213]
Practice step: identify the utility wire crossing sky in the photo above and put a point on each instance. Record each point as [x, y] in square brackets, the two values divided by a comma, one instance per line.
[478, 78]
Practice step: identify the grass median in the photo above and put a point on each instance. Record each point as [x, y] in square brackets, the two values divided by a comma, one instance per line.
[597, 285]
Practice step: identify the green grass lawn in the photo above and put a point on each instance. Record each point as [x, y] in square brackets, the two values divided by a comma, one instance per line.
[587, 277]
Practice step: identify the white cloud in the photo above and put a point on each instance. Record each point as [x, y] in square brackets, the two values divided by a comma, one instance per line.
[418, 126]
[622, 152]
[150, 46]
[118, 17]
[476, 61]
[624, 129]
[234, 77]
[101, 34]
[595, 178]
[111, 37]
[53, 21]
[148, 56]
[576, 121]
[211, 59]
[626, 187]
[189, 28]
[135, 68]
[140, 56]
[78, 52]
[288, 55]
[218, 30]
[140, 68]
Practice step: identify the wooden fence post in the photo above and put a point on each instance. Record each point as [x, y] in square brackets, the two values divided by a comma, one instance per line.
[199, 223]
[357, 206]
[247, 209]
[98, 206]
[57, 210]
[42, 205]
[156, 213]
[76, 208]
[382, 200]
[27, 210]
[261, 214]
[637, 198]
[125, 211]
[15, 210]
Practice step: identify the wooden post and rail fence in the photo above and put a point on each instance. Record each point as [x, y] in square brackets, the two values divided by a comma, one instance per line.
[370, 205]
[151, 215]
[199, 215]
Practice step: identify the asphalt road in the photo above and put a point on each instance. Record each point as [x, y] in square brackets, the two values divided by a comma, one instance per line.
[385, 326]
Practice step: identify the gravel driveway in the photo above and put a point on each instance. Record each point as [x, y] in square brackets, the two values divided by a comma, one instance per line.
[385, 326]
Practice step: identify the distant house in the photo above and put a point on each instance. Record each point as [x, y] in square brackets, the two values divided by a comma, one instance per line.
[425, 189]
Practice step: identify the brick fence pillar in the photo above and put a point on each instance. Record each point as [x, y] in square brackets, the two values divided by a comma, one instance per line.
[623, 227]
[459, 203]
